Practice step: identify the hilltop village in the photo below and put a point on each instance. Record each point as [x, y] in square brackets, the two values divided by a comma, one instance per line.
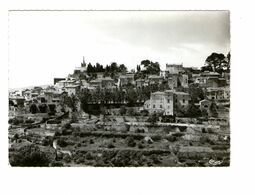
[109, 116]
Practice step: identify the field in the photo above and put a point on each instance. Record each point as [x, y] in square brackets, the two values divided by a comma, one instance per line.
[101, 142]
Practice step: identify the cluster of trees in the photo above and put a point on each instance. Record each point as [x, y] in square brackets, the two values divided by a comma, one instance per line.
[29, 156]
[217, 62]
[196, 92]
[129, 95]
[149, 67]
[104, 96]
[112, 68]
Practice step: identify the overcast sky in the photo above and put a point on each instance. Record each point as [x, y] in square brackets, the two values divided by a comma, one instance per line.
[44, 45]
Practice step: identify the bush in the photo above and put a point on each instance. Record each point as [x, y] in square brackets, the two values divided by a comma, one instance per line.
[110, 145]
[139, 131]
[130, 142]
[29, 121]
[91, 141]
[29, 156]
[62, 143]
[171, 138]
[155, 159]
[78, 145]
[156, 137]
[140, 145]
[47, 141]
[178, 134]
[67, 158]
[16, 137]
[89, 156]
[57, 133]
[123, 110]
[56, 164]
[67, 132]
[67, 126]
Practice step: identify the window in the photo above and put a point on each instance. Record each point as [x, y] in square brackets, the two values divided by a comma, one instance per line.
[154, 106]
[183, 101]
[160, 106]
[168, 100]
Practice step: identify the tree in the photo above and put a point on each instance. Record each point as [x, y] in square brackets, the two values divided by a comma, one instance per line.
[90, 68]
[29, 156]
[145, 63]
[193, 111]
[215, 62]
[153, 118]
[131, 111]
[213, 109]
[33, 109]
[122, 68]
[130, 142]
[150, 67]
[196, 92]
[131, 96]
[71, 102]
[16, 137]
[228, 62]
[123, 110]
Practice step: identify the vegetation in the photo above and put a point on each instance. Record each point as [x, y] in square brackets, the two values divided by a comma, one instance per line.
[217, 62]
[29, 156]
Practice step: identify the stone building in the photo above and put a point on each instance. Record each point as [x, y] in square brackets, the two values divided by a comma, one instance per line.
[126, 80]
[160, 102]
[174, 68]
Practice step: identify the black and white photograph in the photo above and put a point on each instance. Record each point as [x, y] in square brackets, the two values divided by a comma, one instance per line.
[119, 88]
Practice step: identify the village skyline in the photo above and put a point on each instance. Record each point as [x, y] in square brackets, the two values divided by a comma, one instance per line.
[56, 41]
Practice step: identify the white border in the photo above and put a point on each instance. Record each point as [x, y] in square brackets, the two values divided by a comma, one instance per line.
[234, 179]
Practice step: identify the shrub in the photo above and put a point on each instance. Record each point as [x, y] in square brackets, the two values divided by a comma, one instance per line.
[139, 131]
[67, 126]
[57, 133]
[130, 142]
[56, 164]
[123, 110]
[178, 134]
[171, 138]
[67, 158]
[91, 141]
[140, 145]
[156, 137]
[10, 121]
[78, 145]
[80, 160]
[29, 121]
[16, 137]
[29, 156]
[67, 132]
[155, 159]
[62, 142]
[47, 141]
[89, 156]
[110, 145]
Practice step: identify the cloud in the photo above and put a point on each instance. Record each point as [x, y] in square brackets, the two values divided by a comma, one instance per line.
[44, 45]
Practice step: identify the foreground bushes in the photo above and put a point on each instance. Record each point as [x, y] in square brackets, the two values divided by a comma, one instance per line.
[29, 156]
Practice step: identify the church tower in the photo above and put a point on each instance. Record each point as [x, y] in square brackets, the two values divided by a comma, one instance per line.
[83, 64]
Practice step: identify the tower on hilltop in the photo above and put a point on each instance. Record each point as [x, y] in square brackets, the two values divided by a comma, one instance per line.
[83, 64]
